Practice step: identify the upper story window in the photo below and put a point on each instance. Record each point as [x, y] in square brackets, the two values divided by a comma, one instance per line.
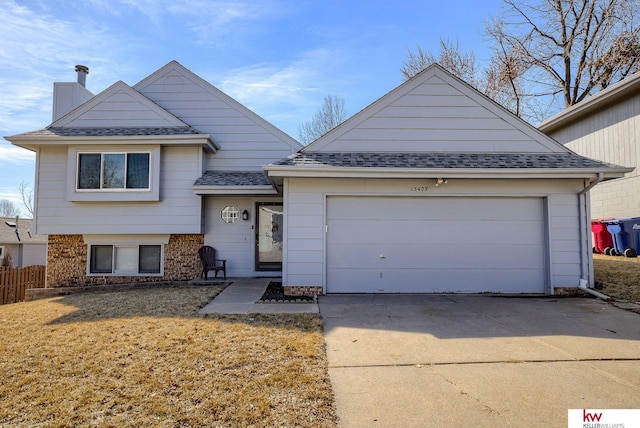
[115, 171]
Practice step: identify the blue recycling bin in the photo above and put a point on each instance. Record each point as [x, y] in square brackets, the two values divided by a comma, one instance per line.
[625, 233]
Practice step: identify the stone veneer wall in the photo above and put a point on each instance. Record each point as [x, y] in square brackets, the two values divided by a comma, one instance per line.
[303, 290]
[67, 262]
[568, 292]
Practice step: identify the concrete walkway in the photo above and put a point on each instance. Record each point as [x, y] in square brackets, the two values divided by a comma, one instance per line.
[453, 361]
[243, 297]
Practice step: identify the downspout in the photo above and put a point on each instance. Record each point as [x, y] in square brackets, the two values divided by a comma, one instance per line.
[582, 212]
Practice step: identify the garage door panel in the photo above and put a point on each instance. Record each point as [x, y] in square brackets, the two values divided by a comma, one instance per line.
[434, 244]
[421, 208]
[431, 232]
[432, 280]
[402, 256]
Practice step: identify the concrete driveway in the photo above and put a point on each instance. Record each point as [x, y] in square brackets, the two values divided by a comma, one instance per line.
[459, 360]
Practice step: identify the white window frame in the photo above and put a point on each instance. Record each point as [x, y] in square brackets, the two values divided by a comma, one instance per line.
[125, 241]
[230, 213]
[101, 178]
[115, 271]
[152, 193]
[1, 252]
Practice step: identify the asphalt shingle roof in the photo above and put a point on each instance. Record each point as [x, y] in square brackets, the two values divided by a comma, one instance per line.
[233, 178]
[111, 131]
[8, 233]
[431, 160]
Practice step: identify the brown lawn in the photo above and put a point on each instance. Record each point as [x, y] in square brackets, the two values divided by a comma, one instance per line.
[618, 277]
[145, 357]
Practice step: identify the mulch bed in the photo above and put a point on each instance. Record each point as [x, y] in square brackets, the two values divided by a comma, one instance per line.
[275, 293]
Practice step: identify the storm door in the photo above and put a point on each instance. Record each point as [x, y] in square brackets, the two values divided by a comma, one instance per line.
[269, 229]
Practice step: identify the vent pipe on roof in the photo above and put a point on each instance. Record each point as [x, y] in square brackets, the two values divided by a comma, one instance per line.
[82, 71]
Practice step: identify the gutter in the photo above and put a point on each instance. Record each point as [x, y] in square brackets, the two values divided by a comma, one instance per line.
[583, 210]
[598, 179]
[418, 173]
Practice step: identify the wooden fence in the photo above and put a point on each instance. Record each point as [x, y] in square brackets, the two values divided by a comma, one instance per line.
[14, 282]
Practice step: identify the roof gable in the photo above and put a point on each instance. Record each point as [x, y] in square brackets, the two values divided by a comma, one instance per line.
[208, 109]
[435, 112]
[119, 106]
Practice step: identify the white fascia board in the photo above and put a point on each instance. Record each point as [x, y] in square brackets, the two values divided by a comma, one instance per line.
[442, 172]
[234, 190]
[203, 140]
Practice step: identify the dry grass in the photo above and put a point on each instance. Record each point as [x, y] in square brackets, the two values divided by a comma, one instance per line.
[618, 277]
[145, 358]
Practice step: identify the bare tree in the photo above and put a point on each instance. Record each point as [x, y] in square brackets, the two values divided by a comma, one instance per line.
[331, 113]
[499, 81]
[502, 80]
[8, 208]
[26, 193]
[7, 259]
[567, 49]
[451, 57]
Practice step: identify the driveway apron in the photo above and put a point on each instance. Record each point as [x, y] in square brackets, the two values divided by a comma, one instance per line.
[461, 360]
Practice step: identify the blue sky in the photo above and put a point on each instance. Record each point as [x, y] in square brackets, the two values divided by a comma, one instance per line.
[279, 58]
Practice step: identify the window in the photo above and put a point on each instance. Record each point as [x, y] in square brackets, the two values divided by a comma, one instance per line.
[113, 171]
[230, 213]
[125, 259]
[104, 173]
[1, 253]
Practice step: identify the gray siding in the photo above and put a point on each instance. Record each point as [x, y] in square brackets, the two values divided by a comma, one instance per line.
[305, 219]
[120, 106]
[234, 242]
[616, 198]
[247, 141]
[610, 135]
[178, 210]
[34, 254]
[434, 112]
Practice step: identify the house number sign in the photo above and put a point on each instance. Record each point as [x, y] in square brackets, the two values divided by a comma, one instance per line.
[419, 188]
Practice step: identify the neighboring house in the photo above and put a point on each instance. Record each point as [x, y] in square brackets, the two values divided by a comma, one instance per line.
[435, 188]
[432, 188]
[606, 126]
[18, 241]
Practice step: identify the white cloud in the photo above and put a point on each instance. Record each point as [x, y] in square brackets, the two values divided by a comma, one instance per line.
[15, 155]
[209, 21]
[37, 49]
[287, 94]
[13, 197]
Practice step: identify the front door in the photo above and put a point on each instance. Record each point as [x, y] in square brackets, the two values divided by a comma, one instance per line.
[269, 236]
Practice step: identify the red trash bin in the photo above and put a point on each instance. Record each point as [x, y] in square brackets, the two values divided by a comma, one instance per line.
[602, 238]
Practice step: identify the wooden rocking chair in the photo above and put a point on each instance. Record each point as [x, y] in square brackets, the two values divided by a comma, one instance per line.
[210, 262]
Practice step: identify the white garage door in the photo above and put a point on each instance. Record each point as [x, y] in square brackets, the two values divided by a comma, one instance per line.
[431, 245]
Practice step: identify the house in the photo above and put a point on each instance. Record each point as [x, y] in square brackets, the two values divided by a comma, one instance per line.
[435, 188]
[132, 181]
[17, 241]
[432, 188]
[606, 127]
